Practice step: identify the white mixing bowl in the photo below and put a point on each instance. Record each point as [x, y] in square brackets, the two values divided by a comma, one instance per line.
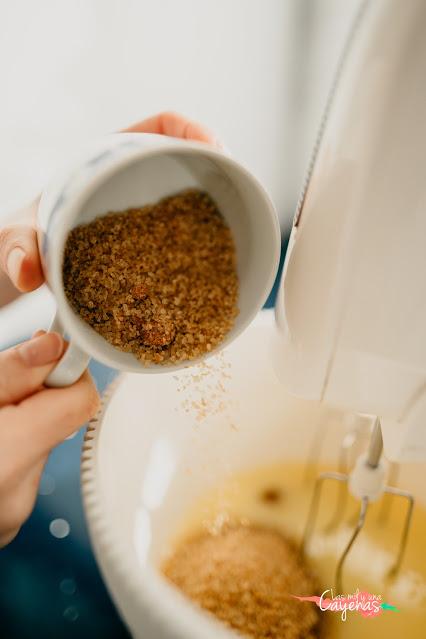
[146, 460]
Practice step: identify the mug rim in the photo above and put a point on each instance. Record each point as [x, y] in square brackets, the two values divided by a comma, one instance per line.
[68, 210]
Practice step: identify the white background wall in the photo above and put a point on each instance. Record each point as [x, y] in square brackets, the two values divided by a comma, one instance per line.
[255, 71]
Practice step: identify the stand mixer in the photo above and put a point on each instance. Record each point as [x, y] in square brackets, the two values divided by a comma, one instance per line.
[351, 308]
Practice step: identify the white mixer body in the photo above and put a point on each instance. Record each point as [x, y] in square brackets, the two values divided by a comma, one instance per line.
[351, 309]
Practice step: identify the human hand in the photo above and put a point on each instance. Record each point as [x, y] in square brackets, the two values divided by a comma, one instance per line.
[33, 420]
[19, 256]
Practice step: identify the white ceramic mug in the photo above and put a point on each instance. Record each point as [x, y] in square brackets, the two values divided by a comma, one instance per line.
[131, 169]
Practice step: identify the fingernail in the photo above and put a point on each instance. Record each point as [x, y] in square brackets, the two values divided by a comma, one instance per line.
[42, 350]
[14, 263]
[39, 333]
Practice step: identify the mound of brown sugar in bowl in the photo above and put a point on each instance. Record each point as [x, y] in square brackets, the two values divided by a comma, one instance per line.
[245, 576]
[158, 281]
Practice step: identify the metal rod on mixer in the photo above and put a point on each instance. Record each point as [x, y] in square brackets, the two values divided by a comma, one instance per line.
[375, 447]
[357, 530]
[385, 509]
[313, 509]
[374, 453]
[407, 524]
[343, 467]
[342, 495]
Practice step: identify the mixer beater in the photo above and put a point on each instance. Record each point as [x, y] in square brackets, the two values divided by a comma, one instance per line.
[367, 483]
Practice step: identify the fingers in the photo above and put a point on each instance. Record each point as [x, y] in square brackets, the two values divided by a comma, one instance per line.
[7, 537]
[18, 492]
[45, 419]
[175, 126]
[19, 256]
[24, 368]
[28, 431]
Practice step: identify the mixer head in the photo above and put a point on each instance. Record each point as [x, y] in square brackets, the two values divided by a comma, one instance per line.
[351, 308]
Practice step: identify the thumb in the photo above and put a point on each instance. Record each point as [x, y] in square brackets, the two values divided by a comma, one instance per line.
[24, 368]
[19, 256]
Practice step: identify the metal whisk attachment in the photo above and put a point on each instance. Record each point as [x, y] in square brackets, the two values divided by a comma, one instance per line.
[367, 483]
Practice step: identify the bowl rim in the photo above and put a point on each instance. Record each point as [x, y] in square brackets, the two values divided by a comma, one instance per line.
[170, 613]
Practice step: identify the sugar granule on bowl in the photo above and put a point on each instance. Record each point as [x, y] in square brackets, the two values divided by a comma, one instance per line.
[158, 281]
[204, 390]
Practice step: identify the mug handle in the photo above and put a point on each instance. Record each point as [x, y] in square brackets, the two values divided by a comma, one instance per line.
[71, 365]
